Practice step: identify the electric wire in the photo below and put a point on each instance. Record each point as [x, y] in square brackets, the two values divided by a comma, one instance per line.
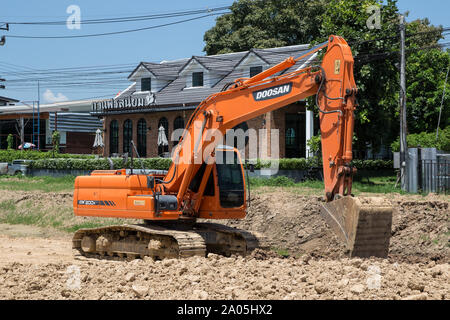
[114, 32]
[122, 19]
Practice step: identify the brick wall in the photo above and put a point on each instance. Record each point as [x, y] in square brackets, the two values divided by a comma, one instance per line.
[79, 142]
[275, 119]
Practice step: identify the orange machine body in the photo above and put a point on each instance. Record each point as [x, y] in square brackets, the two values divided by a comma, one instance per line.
[202, 188]
[116, 194]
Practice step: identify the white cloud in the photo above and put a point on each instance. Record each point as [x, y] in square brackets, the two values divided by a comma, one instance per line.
[49, 96]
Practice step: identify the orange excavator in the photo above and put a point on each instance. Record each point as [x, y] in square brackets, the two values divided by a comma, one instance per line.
[206, 179]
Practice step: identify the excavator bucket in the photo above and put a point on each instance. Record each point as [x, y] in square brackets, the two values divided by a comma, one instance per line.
[364, 224]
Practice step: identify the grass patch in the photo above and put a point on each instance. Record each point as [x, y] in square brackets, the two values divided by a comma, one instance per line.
[382, 185]
[7, 206]
[57, 215]
[46, 184]
[85, 225]
[282, 252]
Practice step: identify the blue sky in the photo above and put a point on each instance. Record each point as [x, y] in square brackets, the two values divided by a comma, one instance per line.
[167, 43]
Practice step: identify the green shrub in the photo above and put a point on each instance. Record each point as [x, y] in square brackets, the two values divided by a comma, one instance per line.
[315, 144]
[10, 140]
[426, 140]
[56, 138]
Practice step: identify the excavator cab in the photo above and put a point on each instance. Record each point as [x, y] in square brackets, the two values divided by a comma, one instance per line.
[230, 178]
[224, 193]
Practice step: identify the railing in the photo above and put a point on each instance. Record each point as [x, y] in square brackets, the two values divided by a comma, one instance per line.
[434, 176]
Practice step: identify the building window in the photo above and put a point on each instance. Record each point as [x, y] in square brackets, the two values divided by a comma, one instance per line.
[290, 137]
[197, 79]
[113, 137]
[127, 135]
[142, 138]
[255, 70]
[165, 124]
[178, 123]
[295, 137]
[146, 84]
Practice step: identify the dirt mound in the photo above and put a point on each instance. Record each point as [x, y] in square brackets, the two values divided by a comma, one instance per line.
[291, 222]
[420, 230]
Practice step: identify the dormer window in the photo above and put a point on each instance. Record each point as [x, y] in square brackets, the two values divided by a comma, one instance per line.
[146, 84]
[197, 79]
[255, 70]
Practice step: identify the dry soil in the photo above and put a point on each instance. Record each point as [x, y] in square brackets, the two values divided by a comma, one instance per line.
[38, 263]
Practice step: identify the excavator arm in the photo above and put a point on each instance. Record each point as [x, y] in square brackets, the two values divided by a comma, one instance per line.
[332, 82]
[364, 226]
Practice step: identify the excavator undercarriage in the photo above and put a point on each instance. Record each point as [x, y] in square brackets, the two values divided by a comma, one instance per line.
[166, 240]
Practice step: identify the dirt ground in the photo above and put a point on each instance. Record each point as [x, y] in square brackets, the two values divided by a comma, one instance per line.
[38, 263]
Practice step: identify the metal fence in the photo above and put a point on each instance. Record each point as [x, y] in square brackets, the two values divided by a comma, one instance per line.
[434, 176]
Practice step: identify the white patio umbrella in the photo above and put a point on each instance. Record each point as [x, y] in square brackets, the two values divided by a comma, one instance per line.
[98, 142]
[27, 145]
[162, 139]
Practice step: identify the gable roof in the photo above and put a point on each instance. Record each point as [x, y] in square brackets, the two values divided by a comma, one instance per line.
[166, 70]
[223, 66]
[250, 52]
[190, 61]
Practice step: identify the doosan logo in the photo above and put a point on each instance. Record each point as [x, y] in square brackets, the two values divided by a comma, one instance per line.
[274, 92]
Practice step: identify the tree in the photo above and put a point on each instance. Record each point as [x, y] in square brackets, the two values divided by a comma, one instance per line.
[426, 140]
[265, 24]
[426, 71]
[274, 23]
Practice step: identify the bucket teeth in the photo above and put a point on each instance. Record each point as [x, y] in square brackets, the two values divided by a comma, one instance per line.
[363, 224]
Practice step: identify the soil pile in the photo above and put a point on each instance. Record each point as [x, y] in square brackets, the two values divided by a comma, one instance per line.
[420, 230]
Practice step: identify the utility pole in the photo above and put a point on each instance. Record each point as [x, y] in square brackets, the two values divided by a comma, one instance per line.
[39, 118]
[403, 127]
[5, 27]
[2, 43]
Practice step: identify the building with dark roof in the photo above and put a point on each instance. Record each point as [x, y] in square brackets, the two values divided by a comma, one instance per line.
[4, 101]
[165, 94]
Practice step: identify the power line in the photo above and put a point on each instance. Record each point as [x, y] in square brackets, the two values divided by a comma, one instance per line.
[115, 32]
[124, 19]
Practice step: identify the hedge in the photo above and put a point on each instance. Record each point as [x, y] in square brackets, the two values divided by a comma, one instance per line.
[163, 164]
[99, 164]
[10, 155]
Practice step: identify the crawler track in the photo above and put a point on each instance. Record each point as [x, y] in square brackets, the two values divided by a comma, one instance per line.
[159, 241]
